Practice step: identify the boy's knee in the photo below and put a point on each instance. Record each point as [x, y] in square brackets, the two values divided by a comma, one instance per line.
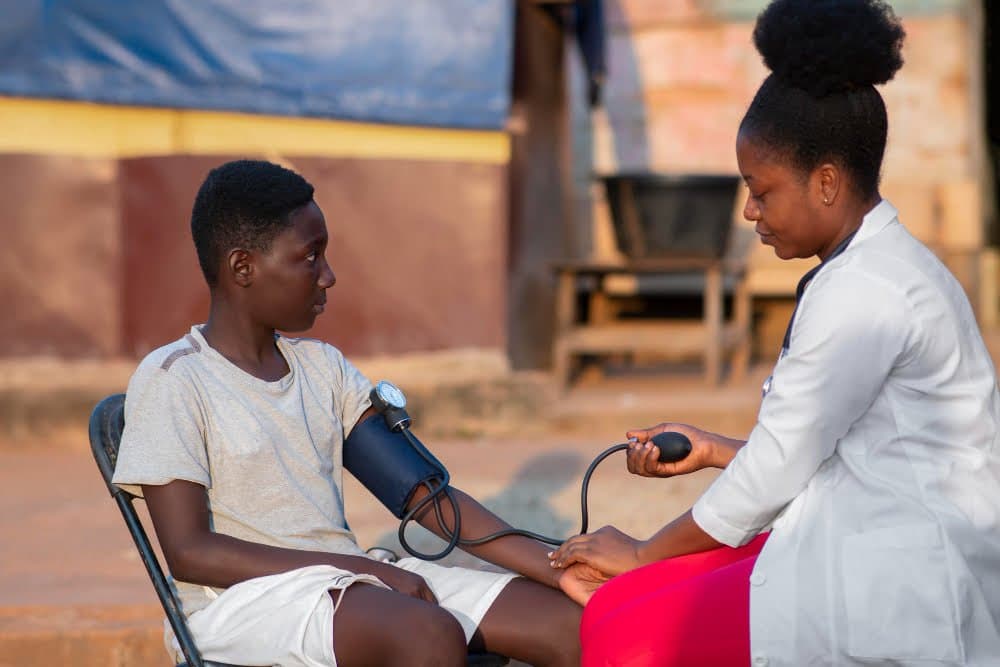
[434, 637]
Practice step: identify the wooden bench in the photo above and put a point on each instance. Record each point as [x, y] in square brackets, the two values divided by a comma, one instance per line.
[603, 331]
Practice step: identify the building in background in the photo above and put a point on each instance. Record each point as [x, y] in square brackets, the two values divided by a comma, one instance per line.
[453, 144]
[682, 72]
[441, 213]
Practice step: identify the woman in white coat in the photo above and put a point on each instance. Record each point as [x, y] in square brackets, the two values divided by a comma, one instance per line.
[875, 461]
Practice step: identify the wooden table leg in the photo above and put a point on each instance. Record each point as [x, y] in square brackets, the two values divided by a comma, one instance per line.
[713, 324]
[565, 316]
[741, 316]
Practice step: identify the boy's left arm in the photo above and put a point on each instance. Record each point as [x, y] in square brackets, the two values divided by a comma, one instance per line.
[518, 553]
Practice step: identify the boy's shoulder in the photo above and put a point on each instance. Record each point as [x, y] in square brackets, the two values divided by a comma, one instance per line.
[186, 360]
[167, 358]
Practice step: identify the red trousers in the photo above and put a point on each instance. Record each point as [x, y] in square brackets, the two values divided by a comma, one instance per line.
[689, 611]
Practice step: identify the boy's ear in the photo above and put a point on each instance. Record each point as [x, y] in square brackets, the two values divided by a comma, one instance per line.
[240, 266]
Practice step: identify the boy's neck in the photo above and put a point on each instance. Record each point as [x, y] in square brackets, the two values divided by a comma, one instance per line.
[247, 345]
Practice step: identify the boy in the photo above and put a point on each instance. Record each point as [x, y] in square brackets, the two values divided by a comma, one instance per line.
[234, 437]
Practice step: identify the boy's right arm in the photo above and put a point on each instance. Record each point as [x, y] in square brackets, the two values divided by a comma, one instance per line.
[196, 554]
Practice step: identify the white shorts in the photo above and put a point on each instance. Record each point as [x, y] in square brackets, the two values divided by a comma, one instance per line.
[287, 618]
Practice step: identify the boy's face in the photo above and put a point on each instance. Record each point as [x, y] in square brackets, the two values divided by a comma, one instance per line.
[291, 277]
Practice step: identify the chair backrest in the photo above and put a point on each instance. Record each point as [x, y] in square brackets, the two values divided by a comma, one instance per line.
[107, 422]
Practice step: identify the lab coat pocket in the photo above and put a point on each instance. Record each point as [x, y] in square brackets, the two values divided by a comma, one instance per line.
[899, 597]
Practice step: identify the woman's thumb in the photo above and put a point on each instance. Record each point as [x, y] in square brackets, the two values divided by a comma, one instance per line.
[640, 434]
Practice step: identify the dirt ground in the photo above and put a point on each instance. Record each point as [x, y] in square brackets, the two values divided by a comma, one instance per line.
[71, 583]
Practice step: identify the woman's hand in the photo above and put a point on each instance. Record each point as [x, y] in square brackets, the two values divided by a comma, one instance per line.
[608, 550]
[708, 450]
[579, 582]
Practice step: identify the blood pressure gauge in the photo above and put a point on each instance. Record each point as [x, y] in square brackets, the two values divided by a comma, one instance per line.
[387, 395]
[389, 401]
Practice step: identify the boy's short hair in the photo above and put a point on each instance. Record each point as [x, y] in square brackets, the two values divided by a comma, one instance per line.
[243, 204]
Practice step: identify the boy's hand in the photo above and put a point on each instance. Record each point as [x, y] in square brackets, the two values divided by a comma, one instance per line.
[579, 582]
[708, 450]
[403, 582]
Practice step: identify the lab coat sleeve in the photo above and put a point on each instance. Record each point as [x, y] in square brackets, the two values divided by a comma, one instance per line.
[849, 332]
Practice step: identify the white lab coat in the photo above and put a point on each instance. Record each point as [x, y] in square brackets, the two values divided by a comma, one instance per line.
[877, 457]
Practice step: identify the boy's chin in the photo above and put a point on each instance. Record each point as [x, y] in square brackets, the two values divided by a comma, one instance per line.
[298, 327]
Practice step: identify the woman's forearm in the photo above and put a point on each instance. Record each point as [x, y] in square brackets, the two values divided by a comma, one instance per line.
[679, 537]
[725, 450]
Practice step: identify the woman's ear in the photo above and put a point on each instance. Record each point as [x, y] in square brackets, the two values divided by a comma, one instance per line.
[240, 265]
[828, 180]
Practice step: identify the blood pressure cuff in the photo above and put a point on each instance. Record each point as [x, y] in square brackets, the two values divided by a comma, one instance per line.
[387, 464]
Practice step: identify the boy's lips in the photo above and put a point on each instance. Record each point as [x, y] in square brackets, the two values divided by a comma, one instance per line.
[319, 306]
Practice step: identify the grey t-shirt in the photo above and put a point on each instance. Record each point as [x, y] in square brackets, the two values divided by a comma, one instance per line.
[268, 453]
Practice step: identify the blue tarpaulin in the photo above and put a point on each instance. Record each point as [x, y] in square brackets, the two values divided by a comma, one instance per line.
[421, 62]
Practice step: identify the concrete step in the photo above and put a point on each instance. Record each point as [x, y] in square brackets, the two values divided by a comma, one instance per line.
[82, 636]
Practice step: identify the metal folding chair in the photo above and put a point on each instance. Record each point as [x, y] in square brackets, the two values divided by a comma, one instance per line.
[106, 424]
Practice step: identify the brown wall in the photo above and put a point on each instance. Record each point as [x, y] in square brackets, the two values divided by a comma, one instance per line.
[59, 256]
[98, 258]
[417, 248]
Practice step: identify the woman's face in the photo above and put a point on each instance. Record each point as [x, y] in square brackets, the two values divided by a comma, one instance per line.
[785, 205]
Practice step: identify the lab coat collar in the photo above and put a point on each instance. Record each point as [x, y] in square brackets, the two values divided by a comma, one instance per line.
[875, 221]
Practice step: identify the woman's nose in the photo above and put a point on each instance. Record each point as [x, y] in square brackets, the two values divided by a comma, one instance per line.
[750, 210]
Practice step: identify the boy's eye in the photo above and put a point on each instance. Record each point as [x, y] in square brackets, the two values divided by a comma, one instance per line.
[311, 257]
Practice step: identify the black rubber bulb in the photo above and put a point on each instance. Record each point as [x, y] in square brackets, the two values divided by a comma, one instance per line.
[673, 446]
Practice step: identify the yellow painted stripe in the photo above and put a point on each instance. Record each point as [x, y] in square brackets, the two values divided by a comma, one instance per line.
[98, 130]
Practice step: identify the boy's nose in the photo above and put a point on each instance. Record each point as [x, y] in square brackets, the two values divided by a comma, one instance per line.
[327, 278]
[750, 210]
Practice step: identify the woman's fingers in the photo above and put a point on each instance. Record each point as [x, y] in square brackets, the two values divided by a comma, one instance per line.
[643, 455]
[644, 459]
[633, 457]
[608, 550]
[643, 434]
[573, 550]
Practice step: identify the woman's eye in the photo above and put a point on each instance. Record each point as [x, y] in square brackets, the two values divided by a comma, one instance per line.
[311, 257]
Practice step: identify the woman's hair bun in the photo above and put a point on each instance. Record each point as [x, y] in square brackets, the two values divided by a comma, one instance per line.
[830, 46]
